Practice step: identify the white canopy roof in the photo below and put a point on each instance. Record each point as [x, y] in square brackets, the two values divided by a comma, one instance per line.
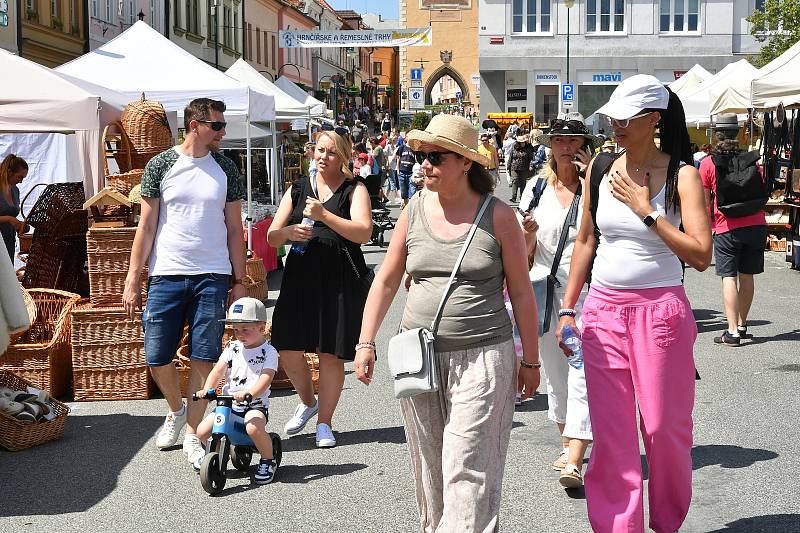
[691, 78]
[286, 107]
[142, 60]
[697, 103]
[43, 101]
[318, 109]
[781, 83]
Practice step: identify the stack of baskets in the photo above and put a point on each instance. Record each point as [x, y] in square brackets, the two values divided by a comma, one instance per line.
[41, 355]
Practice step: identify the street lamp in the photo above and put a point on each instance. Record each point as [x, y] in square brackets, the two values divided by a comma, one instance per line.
[268, 73]
[568, 4]
[289, 65]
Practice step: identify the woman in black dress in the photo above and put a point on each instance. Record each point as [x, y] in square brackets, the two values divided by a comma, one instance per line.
[320, 305]
[13, 170]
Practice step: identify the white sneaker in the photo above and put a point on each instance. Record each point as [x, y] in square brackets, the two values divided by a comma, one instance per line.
[193, 449]
[168, 434]
[325, 438]
[301, 416]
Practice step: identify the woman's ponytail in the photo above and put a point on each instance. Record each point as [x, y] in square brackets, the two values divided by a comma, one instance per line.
[675, 142]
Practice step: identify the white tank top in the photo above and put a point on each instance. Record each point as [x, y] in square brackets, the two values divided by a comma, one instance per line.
[630, 255]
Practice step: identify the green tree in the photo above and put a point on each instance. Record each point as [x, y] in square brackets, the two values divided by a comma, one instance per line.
[420, 121]
[777, 26]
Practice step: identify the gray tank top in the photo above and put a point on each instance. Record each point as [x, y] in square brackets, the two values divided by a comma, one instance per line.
[475, 314]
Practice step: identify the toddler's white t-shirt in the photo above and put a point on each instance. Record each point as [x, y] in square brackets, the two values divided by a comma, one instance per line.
[244, 368]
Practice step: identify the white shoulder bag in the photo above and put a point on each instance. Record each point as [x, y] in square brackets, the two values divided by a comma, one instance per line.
[411, 356]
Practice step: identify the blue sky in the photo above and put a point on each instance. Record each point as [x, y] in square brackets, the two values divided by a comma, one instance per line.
[388, 8]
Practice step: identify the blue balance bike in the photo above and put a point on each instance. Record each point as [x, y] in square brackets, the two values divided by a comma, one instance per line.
[229, 439]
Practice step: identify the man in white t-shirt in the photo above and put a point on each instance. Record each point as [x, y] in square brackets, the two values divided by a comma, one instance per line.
[191, 230]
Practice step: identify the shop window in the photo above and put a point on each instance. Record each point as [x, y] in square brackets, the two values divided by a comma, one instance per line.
[605, 16]
[530, 16]
[679, 16]
[546, 103]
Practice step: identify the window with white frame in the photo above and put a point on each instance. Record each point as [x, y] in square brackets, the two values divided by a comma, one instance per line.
[679, 16]
[605, 16]
[530, 16]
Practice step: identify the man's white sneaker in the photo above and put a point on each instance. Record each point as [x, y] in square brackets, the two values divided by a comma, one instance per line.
[168, 434]
[325, 438]
[193, 449]
[301, 416]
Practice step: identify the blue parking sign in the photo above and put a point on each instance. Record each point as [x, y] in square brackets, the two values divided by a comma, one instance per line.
[416, 74]
[567, 92]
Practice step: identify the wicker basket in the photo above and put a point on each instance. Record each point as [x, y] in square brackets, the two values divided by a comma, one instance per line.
[57, 264]
[255, 280]
[16, 435]
[146, 125]
[109, 252]
[108, 355]
[124, 182]
[282, 381]
[42, 354]
[30, 307]
[59, 211]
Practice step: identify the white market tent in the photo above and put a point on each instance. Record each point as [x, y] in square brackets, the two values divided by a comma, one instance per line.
[780, 84]
[42, 101]
[690, 79]
[696, 102]
[317, 108]
[142, 60]
[286, 107]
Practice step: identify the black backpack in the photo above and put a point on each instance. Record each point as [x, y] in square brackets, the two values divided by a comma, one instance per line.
[740, 190]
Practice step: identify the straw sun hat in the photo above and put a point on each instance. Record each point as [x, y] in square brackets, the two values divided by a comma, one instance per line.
[452, 133]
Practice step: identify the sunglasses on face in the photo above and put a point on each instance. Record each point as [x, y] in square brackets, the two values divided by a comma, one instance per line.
[216, 125]
[435, 158]
[625, 122]
[573, 125]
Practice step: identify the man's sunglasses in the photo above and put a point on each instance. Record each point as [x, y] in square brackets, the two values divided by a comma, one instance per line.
[216, 125]
[625, 122]
[435, 158]
[572, 125]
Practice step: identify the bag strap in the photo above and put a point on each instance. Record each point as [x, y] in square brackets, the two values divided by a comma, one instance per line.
[602, 162]
[538, 190]
[438, 317]
[570, 220]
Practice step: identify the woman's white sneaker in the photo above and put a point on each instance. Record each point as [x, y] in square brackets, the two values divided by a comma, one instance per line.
[300, 418]
[168, 434]
[325, 438]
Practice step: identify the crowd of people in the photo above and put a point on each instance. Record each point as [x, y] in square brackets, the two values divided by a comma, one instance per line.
[629, 220]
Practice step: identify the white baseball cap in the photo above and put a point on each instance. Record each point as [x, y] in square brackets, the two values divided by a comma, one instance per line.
[634, 95]
[246, 311]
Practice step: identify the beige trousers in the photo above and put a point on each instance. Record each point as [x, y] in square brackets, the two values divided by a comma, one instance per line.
[458, 438]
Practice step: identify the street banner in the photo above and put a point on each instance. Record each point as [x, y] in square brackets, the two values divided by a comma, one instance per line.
[350, 38]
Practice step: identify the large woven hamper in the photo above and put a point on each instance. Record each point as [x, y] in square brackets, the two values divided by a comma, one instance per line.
[16, 435]
[147, 128]
[255, 280]
[108, 359]
[109, 252]
[42, 354]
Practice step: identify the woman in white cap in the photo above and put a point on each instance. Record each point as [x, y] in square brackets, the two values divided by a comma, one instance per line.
[545, 205]
[458, 436]
[638, 327]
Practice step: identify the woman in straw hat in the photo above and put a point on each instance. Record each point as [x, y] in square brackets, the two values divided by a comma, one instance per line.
[557, 187]
[320, 304]
[458, 435]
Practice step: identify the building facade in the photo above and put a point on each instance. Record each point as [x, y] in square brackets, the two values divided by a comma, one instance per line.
[329, 66]
[261, 35]
[454, 50]
[211, 30]
[385, 65]
[9, 23]
[524, 58]
[108, 18]
[295, 63]
[52, 32]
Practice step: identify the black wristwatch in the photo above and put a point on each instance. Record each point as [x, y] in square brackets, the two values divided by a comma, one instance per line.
[650, 219]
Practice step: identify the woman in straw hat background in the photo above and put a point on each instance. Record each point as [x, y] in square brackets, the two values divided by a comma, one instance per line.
[638, 326]
[571, 149]
[458, 435]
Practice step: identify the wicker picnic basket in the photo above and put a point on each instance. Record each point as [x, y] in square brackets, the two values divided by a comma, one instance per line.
[147, 128]
[109, 251]
[16, 435]
[108, 359]
[58, 212]
[255, 280]
[30, 307]
[57, 264]
[42, 354]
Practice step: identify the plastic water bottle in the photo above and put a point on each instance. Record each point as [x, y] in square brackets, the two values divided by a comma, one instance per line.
[572, 341]
[298, 246]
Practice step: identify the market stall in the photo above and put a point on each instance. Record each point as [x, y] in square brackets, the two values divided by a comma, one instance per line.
[696, 102]
[690, 79]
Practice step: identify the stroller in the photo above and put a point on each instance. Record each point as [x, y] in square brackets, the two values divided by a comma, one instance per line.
[380, 214]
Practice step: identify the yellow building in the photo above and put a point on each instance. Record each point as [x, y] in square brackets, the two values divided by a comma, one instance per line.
[53, 31]
[454, 50]
[384, 67]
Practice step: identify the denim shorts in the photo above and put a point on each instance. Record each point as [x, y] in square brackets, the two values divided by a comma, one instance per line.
[173, 301]
[407, 187]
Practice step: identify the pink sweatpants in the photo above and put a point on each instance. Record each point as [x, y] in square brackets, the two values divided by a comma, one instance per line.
[637, 347]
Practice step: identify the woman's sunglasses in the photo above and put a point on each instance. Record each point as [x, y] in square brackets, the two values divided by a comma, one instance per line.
[435, 158]
[572, 125]
[338, 129]
[216, 125]
[625, 122]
